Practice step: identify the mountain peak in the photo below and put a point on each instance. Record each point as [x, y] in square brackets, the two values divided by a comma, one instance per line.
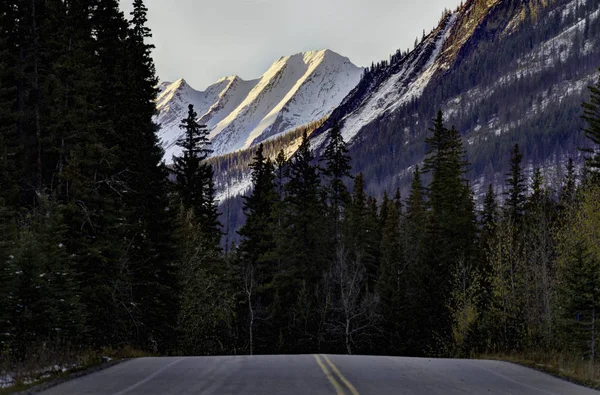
[295, 90]
[180, 83]
[229, 78]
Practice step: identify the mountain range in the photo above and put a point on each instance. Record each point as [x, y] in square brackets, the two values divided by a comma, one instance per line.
[294, 91]
[504, 72]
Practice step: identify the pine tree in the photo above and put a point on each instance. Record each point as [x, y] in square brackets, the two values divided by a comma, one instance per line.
[579, 272]
[451, 231]
[154, 272]
[591, 115]
[392, 282]
[257, 233]
[489, 215]
[304, 253]
[337, 168]
[188, 167]
[258, 250]
[569, 186]
[515, 201]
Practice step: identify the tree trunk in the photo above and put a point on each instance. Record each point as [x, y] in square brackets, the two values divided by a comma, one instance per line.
[348, 347]
[593, 334]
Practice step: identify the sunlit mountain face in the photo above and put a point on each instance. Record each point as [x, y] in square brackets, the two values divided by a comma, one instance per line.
[294, 91]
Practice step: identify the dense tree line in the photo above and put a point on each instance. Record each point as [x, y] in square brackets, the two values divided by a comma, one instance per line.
[90, 253]
[102, 246]
[327, 269]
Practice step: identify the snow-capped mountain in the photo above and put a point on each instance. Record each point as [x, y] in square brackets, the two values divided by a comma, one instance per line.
[294, 91]
[503, 72]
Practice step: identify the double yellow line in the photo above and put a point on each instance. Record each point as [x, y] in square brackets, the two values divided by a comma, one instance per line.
[335, 375]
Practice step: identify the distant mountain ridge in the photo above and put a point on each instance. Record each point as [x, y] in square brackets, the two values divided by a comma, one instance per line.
[294, 91]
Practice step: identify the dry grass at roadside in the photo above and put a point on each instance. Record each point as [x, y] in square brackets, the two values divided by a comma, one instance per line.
[565, 366]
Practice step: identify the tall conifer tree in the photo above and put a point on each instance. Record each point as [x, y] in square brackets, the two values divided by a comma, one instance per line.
[337, 169]
[515, 201]
[591, 115]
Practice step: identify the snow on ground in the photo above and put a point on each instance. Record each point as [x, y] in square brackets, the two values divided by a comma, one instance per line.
[233, 188]
[543, 57]
[9, 379]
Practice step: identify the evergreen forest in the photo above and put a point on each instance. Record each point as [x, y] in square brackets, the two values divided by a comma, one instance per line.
[102, 247]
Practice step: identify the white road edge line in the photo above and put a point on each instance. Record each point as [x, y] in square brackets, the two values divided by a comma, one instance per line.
[516, 381]
[153, 375]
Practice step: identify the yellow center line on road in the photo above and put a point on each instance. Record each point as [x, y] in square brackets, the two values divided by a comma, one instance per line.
[338, 388]
[348, 384]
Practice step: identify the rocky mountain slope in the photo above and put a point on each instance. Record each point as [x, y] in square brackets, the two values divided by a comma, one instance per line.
[296, 90]
[503, 71]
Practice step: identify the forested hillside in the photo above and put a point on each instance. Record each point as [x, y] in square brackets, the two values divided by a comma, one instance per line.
[504, 72]
[103, 250]
[233, 178]
[87, 241]
[331, 270]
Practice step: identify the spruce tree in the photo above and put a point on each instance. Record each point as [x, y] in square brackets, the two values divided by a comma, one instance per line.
[578, 250]
[258, 250]
[304, 253]
[337, 169]
[414, 232]
[392, 282]
[207, 297]
[489, 215]
[539, 252]
[154, 271]
[257, 233]
[569, 186]
[398, 201]
[516, 195]
[305, 205]
[451, 230]
[591, 115]
[188, 167]
[384, 210]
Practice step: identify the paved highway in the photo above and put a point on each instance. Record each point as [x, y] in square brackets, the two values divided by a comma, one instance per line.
[315, 374]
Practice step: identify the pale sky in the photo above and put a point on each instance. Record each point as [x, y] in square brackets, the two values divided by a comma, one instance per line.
[204, 40]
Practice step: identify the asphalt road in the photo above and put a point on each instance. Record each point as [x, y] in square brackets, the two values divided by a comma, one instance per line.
[315, 374]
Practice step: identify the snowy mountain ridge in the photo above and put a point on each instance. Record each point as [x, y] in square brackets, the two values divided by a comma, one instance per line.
[503, 72]
[294, 91]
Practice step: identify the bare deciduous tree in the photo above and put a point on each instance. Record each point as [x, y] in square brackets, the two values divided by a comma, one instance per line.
[354, 309]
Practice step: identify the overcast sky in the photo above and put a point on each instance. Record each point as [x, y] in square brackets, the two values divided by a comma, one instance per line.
[204, 40]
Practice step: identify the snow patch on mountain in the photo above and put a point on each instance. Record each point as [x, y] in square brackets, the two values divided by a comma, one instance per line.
[403, 86]
[295, 91]
[172, 105]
